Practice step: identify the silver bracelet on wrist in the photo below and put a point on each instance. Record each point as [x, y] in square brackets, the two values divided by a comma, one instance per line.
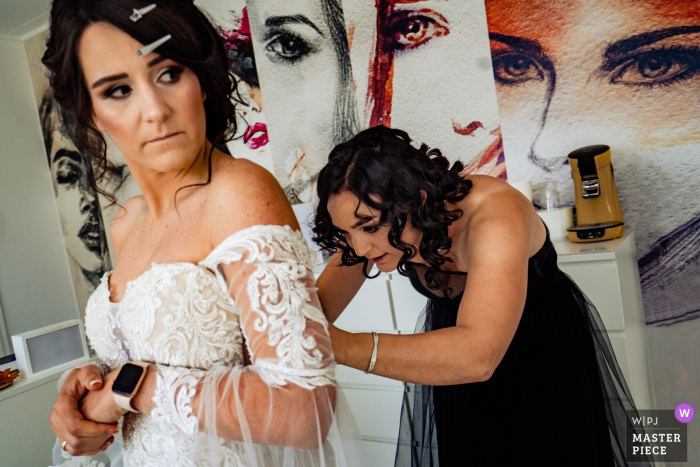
[373, 360]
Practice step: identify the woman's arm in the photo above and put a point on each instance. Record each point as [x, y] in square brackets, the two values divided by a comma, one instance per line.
[337, 286]
[496, 251]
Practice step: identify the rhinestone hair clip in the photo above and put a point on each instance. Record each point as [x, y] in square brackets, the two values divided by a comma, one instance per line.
[138, 14]
[153, 46]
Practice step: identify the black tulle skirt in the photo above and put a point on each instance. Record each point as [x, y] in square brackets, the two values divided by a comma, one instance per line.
[558, 397]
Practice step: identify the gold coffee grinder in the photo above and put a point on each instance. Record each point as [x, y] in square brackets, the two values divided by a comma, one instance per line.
[598, 212]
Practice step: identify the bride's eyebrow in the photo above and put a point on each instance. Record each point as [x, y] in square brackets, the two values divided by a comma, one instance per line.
[623, 47]
[109, 79]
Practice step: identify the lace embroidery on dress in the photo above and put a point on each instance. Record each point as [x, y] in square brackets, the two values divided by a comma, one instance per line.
[175, 389]
[280, 300]
[100, 324]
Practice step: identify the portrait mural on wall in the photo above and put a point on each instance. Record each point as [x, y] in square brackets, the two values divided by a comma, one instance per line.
[78, 205]
[302, 58]
[251, 141]
[328, 69]
[424, 66]
[623, 73]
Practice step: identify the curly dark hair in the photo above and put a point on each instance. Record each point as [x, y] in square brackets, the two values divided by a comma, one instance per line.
[195, 44]
[387, 173]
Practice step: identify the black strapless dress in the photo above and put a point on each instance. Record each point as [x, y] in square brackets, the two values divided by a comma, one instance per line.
[558, 397]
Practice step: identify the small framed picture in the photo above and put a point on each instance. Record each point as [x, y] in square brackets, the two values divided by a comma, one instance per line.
[52, 348]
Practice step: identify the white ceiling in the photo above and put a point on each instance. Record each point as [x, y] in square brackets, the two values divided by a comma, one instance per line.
[22, 18]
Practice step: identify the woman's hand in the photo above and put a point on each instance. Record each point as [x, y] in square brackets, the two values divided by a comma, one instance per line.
[82, 437]
[99, 405]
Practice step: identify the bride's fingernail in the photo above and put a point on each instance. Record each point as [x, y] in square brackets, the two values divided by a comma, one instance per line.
[97, 381]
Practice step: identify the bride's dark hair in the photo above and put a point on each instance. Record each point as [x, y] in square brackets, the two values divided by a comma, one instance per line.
[387, 173]
[195, 43]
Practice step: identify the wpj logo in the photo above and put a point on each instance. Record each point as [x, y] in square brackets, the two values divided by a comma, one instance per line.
[661, 435]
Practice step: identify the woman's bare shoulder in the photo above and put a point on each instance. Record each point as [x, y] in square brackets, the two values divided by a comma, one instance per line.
[125, 219]
[243, 194]
[494, 198]
[497, 212]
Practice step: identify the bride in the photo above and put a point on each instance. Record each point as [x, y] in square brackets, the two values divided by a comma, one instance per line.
[215, 348]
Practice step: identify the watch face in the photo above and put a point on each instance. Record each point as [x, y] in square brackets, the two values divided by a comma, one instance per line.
[127, 379]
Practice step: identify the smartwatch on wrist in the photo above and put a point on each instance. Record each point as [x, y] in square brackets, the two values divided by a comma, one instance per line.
[127, 384]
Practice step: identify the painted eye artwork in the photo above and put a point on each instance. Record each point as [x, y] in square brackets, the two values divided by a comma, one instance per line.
[660, 67]
[288, 47]
[511, 69]
[412, 29]
[67, 172]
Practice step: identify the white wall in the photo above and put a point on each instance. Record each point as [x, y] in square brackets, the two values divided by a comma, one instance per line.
[36, 288]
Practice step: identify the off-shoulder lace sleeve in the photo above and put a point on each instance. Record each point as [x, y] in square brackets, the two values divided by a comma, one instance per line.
[269, 272]
[286, 396]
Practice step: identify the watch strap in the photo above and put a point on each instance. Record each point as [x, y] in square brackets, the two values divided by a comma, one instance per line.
[124, 402]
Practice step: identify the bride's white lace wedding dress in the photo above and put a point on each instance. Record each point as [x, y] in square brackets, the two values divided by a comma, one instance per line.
[255, 289]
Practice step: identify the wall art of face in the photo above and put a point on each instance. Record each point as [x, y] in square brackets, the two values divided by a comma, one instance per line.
[428, 72]
[573, 73]
[252, 142]
[78, 206]
[305, 78]
[623, 73]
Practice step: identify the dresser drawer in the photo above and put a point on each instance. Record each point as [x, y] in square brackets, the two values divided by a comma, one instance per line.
[600, 282]
[408, 303]
[380, 454]
[370, 310]
[376, 412]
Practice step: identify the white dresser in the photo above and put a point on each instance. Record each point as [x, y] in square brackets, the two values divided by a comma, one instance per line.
[26, 439]
[605, 271]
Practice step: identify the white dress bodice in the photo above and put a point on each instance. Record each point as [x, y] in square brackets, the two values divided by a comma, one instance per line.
[182, 317]
[175, 314]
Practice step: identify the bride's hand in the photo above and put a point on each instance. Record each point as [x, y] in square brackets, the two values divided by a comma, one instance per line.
[99, 405]
[82, 437]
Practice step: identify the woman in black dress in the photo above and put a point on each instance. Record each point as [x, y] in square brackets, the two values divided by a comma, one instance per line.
[513, 365]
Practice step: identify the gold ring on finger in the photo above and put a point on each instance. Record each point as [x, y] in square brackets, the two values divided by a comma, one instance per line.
[63, 445]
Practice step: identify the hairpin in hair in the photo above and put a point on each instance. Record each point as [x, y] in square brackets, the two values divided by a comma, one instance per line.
[138, 14]
[153, 46]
